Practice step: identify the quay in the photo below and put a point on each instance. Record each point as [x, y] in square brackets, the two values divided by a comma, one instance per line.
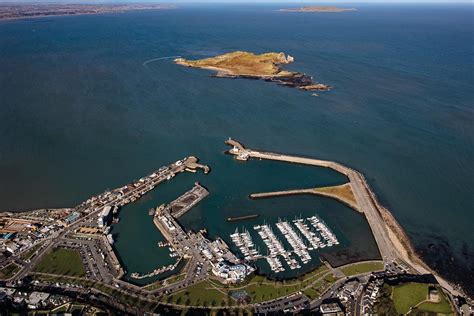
[391, 239]
[186, 201]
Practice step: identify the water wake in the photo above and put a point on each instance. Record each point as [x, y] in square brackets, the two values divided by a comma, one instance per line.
[159, 58]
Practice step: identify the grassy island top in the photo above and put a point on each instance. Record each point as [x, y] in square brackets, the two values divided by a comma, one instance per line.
[241, 63]
[319, 9]
[256, 66]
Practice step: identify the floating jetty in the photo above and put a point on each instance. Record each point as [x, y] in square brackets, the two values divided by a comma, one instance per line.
[157, 271]
[245, 244]
[324, 231]
[275, 249]
[241, 218]
[313, 239]
[299, 248]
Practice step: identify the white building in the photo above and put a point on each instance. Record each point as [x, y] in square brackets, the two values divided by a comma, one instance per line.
[230, 272]
[36, 299]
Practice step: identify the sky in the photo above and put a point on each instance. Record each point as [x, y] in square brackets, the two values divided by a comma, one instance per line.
[326, 2]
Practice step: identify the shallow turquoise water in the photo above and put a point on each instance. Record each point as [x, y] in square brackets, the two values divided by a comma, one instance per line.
[81, 114]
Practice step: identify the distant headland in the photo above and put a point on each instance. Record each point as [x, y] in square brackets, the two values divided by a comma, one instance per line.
[318, 9]
[22, 11]
[267, 66]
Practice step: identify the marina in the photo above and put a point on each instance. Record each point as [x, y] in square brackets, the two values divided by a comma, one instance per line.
[314, 240]
[325, 232]
[275, 249]
[299, 248]
[245, 244]
[315, 235]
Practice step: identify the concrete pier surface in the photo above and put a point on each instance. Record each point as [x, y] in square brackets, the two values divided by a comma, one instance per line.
[186, 201]
[342, 193]
[392, 241]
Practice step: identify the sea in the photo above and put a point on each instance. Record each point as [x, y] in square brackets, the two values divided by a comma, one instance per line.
[90, 103]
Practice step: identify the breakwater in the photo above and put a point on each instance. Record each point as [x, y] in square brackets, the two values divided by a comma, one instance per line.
[242, 218]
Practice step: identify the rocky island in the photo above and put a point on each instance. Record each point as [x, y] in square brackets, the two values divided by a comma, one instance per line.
[265, 66]
[318, 9]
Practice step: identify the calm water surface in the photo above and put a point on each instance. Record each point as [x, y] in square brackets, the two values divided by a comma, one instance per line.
[80, 114]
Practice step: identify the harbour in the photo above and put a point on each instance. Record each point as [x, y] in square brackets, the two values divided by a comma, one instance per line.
[111, 138]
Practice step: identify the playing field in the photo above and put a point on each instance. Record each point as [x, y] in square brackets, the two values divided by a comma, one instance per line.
[62, 261]
[411, 295]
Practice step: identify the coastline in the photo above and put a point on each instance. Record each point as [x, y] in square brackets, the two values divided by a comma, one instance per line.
[101, 9]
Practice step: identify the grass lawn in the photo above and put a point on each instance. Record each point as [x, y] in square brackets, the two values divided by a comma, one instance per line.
[311, 293]
[408, 295]
[260, 292]
[200, 294]
[62, 261]
[363, 267]
[343, 192]
[9, 271]
[411, 294]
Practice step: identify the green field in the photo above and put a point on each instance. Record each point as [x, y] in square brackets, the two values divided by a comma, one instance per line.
[200, 294]
[363, 267]
[443, 307]
[9, 271]
[62, 261]
[411, 294]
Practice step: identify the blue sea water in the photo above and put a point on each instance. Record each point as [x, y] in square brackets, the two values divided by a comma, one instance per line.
[80, 114]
